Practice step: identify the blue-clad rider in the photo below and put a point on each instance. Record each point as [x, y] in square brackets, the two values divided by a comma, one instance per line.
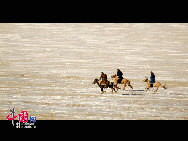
[152, 78]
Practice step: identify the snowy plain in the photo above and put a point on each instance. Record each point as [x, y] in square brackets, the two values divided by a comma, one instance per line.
[48, 69]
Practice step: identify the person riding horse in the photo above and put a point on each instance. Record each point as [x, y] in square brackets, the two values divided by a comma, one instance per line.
[119, 74]
[104, 79]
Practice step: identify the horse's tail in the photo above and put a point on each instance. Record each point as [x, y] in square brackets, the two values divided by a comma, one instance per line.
[164, 86]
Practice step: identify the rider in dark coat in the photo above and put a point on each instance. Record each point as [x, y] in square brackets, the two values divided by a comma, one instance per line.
[119, 74]
[152, 78]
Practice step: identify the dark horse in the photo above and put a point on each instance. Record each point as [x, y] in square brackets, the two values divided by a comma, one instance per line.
[108, 85]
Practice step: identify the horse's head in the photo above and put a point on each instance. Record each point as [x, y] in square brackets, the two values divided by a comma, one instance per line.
[113, 76]
[146, 79]
[95, 81]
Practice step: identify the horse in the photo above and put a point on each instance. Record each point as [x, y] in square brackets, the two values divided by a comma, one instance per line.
[102, 86]
[156, 84]
[123, 81]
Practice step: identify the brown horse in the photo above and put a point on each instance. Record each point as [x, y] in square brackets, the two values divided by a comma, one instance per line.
[156, 84]
[123, 81]
[107, 85]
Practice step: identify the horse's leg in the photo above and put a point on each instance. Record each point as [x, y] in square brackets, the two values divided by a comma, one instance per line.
[125, 81]
[112, 89]
[115, 89]
[102, 90]
[118, 87]
[147, 88]
[129, 84]
[115, 86]
[156, 89]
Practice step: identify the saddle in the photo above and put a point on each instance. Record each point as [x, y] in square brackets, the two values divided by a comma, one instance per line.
[119, 80]
[152, 82]
[104, 81]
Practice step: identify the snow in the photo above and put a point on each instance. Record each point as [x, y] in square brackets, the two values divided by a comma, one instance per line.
[48, 69]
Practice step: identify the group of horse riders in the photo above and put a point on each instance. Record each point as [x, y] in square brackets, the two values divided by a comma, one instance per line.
[120, 77]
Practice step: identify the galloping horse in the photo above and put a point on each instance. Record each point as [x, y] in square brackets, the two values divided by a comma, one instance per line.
[108, 85]
[156, 84]
[123, 81]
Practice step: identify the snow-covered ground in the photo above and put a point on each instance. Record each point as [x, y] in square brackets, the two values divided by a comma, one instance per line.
[48, 69]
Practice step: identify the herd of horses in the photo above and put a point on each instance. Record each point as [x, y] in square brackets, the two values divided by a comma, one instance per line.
[125, 82]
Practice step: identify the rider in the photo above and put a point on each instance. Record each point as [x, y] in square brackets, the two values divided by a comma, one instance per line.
[104, 78]
[152, 78]
[119, 74]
